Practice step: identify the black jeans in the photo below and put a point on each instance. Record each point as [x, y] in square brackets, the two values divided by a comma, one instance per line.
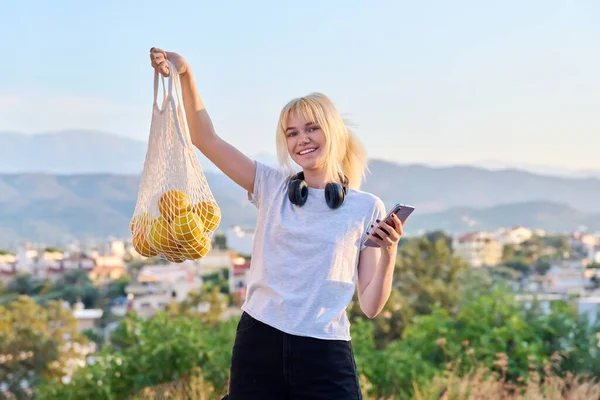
[268, 364]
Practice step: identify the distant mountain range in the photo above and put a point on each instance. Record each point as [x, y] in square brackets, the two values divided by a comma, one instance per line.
[54, 209]
[75, 152]
[553, 217]
[540, 169]
[435, 189]
[58, 208]
[84, 151]
[71, 203]
[69, 152]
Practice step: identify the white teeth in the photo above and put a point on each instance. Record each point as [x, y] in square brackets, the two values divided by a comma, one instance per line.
[306, 151]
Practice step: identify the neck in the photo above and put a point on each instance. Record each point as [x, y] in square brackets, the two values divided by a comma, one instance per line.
[315, 178]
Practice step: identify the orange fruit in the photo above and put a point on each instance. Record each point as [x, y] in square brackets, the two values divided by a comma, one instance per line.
[139, 222]
[139, 226]
[161, 236]
[172, 203]
[175, 257]
[210, 213]
[142, 246]
[197, 248]
[187, 227]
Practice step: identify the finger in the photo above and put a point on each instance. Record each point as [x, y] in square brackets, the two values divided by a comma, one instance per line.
[157, 59]
[375, 239]
[382, 241]
[381, 232]
[398, 225]
[379, 226]
[383, 224]
[157, 56]
[385, 234]
[156, 50]
[394, 221]
[372, 232]
[400, 229]
[163, 68]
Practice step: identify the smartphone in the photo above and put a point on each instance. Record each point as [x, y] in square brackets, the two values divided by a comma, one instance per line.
[402, 211]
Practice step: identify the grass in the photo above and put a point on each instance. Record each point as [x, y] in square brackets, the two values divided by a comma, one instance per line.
[480, 384]
[193, 388]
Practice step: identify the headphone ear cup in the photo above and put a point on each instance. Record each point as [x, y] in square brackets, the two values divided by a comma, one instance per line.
[334, 195]
[298, 192]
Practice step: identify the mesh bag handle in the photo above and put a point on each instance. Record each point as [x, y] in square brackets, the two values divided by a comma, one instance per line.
[173, 95]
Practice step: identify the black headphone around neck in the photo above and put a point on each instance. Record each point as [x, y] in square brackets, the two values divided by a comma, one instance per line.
[335, 193]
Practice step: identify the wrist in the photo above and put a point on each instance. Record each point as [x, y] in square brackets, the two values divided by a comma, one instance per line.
[186, 74]
[389, 253]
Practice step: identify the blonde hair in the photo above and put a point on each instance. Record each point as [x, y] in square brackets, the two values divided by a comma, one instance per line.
[346, 156]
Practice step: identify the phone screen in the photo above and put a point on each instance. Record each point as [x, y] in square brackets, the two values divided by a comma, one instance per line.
[402, 211]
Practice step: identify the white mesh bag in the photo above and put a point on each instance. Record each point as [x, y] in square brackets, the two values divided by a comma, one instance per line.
[175, 215]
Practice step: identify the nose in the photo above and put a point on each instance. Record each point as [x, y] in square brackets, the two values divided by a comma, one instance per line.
[304, 138]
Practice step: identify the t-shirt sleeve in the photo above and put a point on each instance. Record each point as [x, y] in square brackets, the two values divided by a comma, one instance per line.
[266, 180]
[378, 213]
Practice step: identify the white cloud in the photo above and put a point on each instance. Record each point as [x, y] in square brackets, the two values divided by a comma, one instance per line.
[34, 112]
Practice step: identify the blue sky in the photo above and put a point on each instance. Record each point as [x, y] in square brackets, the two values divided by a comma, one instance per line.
[434, 81]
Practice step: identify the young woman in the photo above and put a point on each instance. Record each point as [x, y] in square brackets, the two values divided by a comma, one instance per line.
[293, 338]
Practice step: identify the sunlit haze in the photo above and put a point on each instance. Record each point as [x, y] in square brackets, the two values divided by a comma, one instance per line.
[433, 82]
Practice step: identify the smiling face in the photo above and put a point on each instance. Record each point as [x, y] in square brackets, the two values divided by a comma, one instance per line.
[305, 142]
[312, 134]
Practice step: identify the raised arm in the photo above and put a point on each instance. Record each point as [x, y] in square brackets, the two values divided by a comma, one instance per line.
[227, 158]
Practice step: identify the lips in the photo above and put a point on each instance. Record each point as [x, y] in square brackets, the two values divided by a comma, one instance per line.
[307, 151]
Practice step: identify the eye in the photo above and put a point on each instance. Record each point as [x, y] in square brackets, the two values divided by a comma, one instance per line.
[291, 133]
[313, 128]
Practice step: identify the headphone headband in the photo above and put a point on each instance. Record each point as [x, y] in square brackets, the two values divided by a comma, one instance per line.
[335, 193]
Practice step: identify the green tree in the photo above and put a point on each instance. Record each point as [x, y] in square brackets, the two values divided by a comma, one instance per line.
[36, 343]
[529, 250]
[116, 288]
[220, 241]
[477, 282]
[211, 295]
[94, 336]
[147, 352]
[72, 287]
[78, 277]
[519, 264]
[560, 244]
[508, 252]
[542, 265]
[426, 274]
[434, 236]
[219, 279]
[23, 284]
[489, 329]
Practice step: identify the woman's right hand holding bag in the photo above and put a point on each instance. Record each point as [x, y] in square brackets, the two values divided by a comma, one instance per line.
[159, 57]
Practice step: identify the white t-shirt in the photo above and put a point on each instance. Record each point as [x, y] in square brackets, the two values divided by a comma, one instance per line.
[304, 259]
